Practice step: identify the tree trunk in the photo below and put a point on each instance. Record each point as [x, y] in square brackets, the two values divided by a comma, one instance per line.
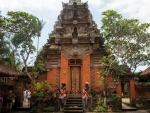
[28, 74]
[105, 91]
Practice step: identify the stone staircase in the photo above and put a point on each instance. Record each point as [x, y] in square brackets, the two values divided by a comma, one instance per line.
[73, 104]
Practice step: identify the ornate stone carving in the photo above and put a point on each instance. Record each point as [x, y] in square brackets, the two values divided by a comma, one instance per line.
[75, 36]
[74, 32]
[75, 51]
[75, 22]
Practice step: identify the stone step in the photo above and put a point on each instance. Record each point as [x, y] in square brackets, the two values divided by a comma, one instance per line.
[74, 99]
[73, 108]
[74, 104]
[73, 111]
[69, 105]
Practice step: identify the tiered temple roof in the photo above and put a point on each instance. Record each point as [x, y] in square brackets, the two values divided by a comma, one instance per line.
[74, 29]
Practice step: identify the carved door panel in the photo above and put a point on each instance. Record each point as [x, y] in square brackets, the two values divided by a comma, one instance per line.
[75, 78]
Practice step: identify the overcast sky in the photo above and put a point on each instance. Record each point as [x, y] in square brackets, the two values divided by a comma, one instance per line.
[48, 10]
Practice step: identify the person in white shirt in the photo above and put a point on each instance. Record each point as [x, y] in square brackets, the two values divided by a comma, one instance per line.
[27, 97]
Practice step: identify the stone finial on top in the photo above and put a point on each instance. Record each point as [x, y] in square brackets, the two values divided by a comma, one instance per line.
[72, 1]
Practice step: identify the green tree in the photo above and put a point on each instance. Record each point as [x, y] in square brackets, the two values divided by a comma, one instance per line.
[128, 40]
[3, 47]
[7, 55]
[23, 28]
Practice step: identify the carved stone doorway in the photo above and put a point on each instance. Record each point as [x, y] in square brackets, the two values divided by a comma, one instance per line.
[75, 78]
[75, 75]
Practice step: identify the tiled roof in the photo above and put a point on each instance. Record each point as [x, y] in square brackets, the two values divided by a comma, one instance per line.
[146, 72]
[7, 71]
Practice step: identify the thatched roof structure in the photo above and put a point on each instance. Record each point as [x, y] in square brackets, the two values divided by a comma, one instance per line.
[7, 71]
[146, 72]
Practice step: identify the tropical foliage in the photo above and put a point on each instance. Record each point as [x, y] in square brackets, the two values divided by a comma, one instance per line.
[43, 96]
[17, 32]
[127, 44]
[127, 40]
[23, 28]
[7, 56]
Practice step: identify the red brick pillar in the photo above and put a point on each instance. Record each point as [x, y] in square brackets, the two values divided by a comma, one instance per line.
[132, 91]
[64, 70]
[86, 70]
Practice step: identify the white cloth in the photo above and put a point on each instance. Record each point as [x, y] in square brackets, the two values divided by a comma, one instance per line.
[26, 99]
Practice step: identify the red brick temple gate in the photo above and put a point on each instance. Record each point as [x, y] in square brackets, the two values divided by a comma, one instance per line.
[73, 51]
[74, 48]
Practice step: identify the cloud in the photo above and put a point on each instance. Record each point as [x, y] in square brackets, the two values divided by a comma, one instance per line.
[49, 9]
[94, 3]
[133, 9]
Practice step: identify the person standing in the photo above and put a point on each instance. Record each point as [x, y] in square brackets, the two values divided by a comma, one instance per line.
[86, 97]
[10, 100]
[57, 101]
[1, 102]
[26, 99]
[63, 95]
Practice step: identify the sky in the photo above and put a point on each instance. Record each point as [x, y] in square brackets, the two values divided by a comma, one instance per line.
[48, 10]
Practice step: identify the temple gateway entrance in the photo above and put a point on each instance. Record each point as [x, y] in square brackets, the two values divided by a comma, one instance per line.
[75, 75]
[73, 51]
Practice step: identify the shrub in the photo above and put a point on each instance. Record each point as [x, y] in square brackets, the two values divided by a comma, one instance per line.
[100, 106]
[116, 102]
[42, 97]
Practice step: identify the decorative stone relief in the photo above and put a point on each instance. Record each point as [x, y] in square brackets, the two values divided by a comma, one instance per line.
[75, 51]
[74, 44]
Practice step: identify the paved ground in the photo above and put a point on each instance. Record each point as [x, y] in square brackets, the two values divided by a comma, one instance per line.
[138, 111]
[126, 107]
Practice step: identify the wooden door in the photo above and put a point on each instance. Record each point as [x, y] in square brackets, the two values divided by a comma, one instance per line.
[75, 78]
